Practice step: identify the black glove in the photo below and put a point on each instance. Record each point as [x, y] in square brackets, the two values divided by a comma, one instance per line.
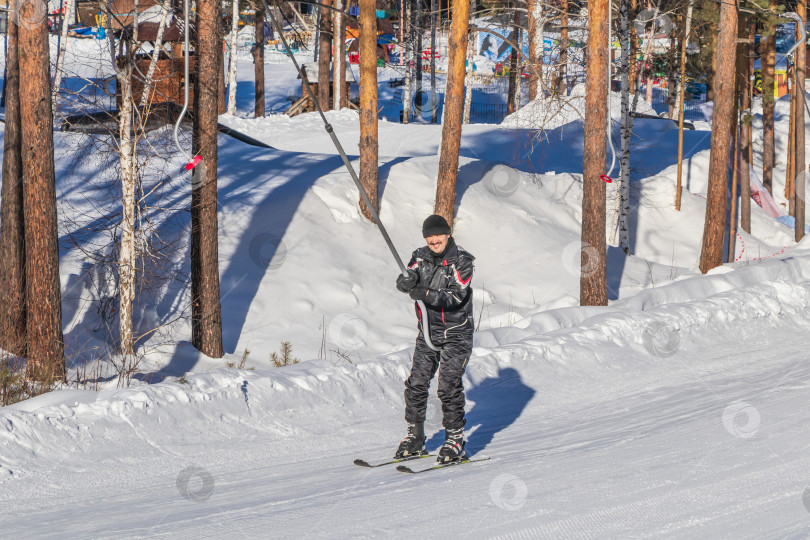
[406, 283]
[419, 293]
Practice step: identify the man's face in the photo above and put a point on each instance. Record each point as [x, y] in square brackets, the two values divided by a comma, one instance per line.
[437, 242]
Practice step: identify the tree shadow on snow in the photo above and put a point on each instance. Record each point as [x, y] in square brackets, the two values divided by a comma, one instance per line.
[498, 403]
[259, 248]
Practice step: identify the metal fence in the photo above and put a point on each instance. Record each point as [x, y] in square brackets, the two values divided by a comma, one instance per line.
[479, 112]
[660, 102]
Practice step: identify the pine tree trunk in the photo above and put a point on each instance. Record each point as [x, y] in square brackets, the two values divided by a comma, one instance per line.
[325, 55]
[799, 183]
[258, 63]
[368, 105]
[206, 318]
[739, 72]
[513, 65]
[768, 100]
[12, 231]
[340, 51]
[233, 57]
[453, 111]
[711, 254]
[682, 104]
[745, 136]
[535, 12]
[790, 171]
[593, 279]
[46, 361]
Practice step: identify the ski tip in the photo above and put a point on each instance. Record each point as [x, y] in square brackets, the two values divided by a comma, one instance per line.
[361, 463]
[403, 468]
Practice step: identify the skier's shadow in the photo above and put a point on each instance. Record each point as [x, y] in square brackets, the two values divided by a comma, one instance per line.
[498, 403]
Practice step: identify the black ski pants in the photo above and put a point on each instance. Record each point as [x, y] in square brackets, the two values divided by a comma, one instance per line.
[451, 362]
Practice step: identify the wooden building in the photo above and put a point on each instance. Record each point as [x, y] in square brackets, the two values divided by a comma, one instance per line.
[305, 104]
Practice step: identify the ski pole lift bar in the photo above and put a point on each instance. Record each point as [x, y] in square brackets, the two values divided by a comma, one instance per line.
[330, 130]
[192, 161]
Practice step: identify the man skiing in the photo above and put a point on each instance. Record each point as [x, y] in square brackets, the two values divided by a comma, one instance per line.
[439, 274]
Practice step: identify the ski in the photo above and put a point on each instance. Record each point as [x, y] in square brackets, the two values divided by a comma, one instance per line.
[403, 468]
[364, 463]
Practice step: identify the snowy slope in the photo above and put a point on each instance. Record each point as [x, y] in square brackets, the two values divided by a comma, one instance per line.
[300, 264]
[673, 412]
[591, 435]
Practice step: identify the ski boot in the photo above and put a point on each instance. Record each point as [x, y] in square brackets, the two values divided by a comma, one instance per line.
[453, 448]
[414, 442]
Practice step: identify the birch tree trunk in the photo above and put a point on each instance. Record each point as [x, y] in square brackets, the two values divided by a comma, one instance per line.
[12, 229]
[633, 48]
[672, 95]
[768, 101]
[469, 80]
[433, 107]
[711, 254]
[419, 28]
[593, 278]
[165, 17]
[406, 92]
[233, 57]
[339, 68]
[621, 212]
[63, 46]
[562, 71]
[46, 360]
[126, 155]
[222, 98]
[519, 72]
[368, 105]
[453, 112]
[206, 316]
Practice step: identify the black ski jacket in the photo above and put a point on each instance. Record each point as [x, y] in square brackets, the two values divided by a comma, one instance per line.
[449, 299]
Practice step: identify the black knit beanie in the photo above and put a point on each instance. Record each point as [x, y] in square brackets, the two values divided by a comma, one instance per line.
[435, 224]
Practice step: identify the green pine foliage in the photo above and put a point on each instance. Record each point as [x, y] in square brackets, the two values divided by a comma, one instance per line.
[286, 357]
[242, 362]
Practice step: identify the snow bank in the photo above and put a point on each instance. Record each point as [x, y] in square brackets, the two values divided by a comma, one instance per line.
[552, 112]
[574, 355]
